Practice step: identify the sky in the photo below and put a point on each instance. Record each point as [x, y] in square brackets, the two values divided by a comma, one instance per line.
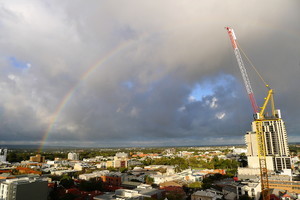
[143, 73]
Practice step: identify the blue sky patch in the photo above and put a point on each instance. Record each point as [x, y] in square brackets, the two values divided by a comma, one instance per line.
[201, 91]
[128, 84]
[207, 87]
[18, 63]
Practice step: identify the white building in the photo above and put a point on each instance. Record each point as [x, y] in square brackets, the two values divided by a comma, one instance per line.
[121, 160]
[24, 189]
[205, 195]
[122, 154]
[80, 166]
[73, 156]
[101, 165]
[63, 172]
[239, 150]
[275, 136]
[3, 155]
[185, 153]
[251, 189]
[158, 179]
[139, 193]
[95, 174]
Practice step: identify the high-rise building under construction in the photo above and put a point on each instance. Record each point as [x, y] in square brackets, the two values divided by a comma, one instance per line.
[267, 142]
[276, 145]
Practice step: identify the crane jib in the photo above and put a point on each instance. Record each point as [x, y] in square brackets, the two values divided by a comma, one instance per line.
[242, 69]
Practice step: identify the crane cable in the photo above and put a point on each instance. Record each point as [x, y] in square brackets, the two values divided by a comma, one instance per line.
[253, 66]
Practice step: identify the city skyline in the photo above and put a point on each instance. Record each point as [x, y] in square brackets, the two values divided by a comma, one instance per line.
[145, 73]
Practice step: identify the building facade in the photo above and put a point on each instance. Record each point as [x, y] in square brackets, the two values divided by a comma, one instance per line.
[275, 136]
[37, 158]
[121, 160]
[24, 189]
[3, 155]
[73, 156]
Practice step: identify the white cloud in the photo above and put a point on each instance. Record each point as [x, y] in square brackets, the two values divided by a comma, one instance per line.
[134, 112]
[192, 99]
[13, 77]
[212, 103]
[220, 115]
[182, 108]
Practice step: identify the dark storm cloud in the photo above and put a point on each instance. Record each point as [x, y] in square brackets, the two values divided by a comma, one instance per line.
[141, 94]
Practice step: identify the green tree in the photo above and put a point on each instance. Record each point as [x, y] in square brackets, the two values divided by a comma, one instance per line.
[196, 184]
[171, 195]
[194, 162]
[208, 181]
[177, 161]
[66, 181]
[111, 169]
[149, 180]
[12, 157]
[56, 177]
[123, 169]
[91, 185]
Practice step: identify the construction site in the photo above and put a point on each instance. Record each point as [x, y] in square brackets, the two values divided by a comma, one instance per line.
[269, 169]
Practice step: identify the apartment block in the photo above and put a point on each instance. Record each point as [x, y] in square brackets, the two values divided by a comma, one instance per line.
[24, 189]
[275, 136]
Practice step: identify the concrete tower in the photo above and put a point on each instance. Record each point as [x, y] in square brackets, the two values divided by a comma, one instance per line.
[275, 136]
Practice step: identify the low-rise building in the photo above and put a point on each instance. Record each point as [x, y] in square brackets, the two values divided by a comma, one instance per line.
[95, 174]
[37, 158]
[64, 172]
[120, 160]
[7, 176]
[205, 195]
[27, 170]
[80, 166]
[130, 184]
[109, 163]
[251, 189]
[112, 179]
[139, 193]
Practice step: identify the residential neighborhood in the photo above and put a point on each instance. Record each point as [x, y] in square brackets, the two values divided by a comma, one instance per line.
[169, 173]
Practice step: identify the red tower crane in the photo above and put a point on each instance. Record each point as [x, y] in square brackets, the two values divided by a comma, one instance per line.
[258, 119]
[242, 69]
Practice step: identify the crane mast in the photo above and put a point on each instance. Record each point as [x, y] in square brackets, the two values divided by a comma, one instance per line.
[258, 119]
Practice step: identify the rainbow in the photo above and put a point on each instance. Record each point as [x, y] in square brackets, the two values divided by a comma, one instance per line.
[70, 93]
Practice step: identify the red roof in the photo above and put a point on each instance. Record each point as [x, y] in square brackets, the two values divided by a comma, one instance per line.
[173, 189]
[83, 194]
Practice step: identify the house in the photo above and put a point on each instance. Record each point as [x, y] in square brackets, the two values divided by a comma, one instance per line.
[205, 195]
